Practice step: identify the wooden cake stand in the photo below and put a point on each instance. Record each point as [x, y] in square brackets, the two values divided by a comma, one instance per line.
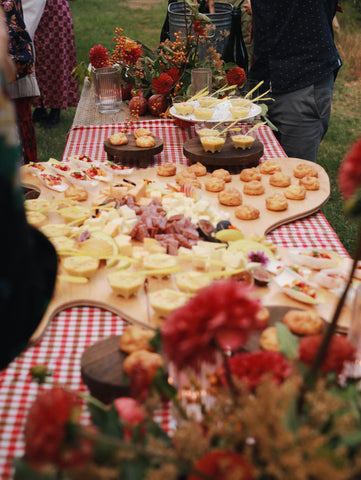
[228, 156]
[130, 152]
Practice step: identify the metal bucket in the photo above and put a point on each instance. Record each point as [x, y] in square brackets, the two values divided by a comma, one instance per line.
[221, 19]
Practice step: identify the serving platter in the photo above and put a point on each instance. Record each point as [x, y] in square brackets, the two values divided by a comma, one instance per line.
[97, 291]
[221, 113]
[131, 152]
[228, 156]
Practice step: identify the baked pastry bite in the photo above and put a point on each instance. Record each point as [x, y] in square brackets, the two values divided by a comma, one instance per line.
[167, 169]
[198, 168]
[142, 132]
[148, 361]
[223, 174]
[214, 184]
[187, 177]
[302, 170]
[230, 197]
[269, 340]
[263, 315]
[81, 266]
[135, 338]
[118, 139]
[254, 187]
[246, 212]
[249, 174]
[295, 192]
[276, 202]
[303, 322]
[310, 183]
[269, 166]
[145, 141]
[280, 179]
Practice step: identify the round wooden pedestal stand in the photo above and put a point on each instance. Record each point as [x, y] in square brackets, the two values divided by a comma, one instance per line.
[130, 152]
[102, 370]
[228, 156]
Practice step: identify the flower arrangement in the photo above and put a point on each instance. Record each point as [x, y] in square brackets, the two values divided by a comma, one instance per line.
[165, 72]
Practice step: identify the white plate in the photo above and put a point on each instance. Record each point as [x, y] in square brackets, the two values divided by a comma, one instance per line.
[221, 113]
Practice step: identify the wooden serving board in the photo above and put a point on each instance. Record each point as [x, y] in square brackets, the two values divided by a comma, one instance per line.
[97, 291]
[131, 152]
[102, 362]
[228, 156]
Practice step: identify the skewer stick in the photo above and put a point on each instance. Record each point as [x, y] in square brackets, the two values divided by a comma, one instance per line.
[254, 89]
[255, 126]
[201, 93]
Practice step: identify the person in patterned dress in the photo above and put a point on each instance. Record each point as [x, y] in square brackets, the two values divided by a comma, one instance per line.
[54, 44]
[21, 51]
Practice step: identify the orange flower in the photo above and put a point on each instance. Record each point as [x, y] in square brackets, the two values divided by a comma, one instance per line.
[236, 76]
[163, 83]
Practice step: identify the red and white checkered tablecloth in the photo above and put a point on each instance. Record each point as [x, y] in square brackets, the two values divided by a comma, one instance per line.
[73, 330]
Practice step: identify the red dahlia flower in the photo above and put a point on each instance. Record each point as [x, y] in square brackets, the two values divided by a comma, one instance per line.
[339, 351]
[252, 368]
[236, 76]
[48, 436]
[219, 316]
[173, 73]
[163, 83]
[222, 465]
[99, 56]
[349, 175]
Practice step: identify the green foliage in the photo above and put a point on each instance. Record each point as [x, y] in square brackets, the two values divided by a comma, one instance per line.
[287, 341]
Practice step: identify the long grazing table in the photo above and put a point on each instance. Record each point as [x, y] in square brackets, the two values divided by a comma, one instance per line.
[73, 330]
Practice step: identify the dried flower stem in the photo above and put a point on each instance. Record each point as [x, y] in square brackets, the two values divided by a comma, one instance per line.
[232, 387]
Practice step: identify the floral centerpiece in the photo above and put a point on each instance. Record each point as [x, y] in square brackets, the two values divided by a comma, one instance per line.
[157, 76]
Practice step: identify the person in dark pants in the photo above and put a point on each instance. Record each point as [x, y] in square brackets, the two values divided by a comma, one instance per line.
[296, 56]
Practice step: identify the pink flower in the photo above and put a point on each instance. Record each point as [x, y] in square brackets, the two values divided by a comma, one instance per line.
[222, 465]
[99, 56]
[253, 368]
[47, 431]
[349, 175]
[339, 351]
[131, 412]
[220, 316]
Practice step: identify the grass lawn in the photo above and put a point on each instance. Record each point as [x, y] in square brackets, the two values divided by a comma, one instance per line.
[95, 22]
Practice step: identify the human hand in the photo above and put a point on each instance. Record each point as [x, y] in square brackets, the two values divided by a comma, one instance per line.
[247, 7]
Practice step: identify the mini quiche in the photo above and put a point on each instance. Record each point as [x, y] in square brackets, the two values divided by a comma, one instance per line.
[164, 301]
